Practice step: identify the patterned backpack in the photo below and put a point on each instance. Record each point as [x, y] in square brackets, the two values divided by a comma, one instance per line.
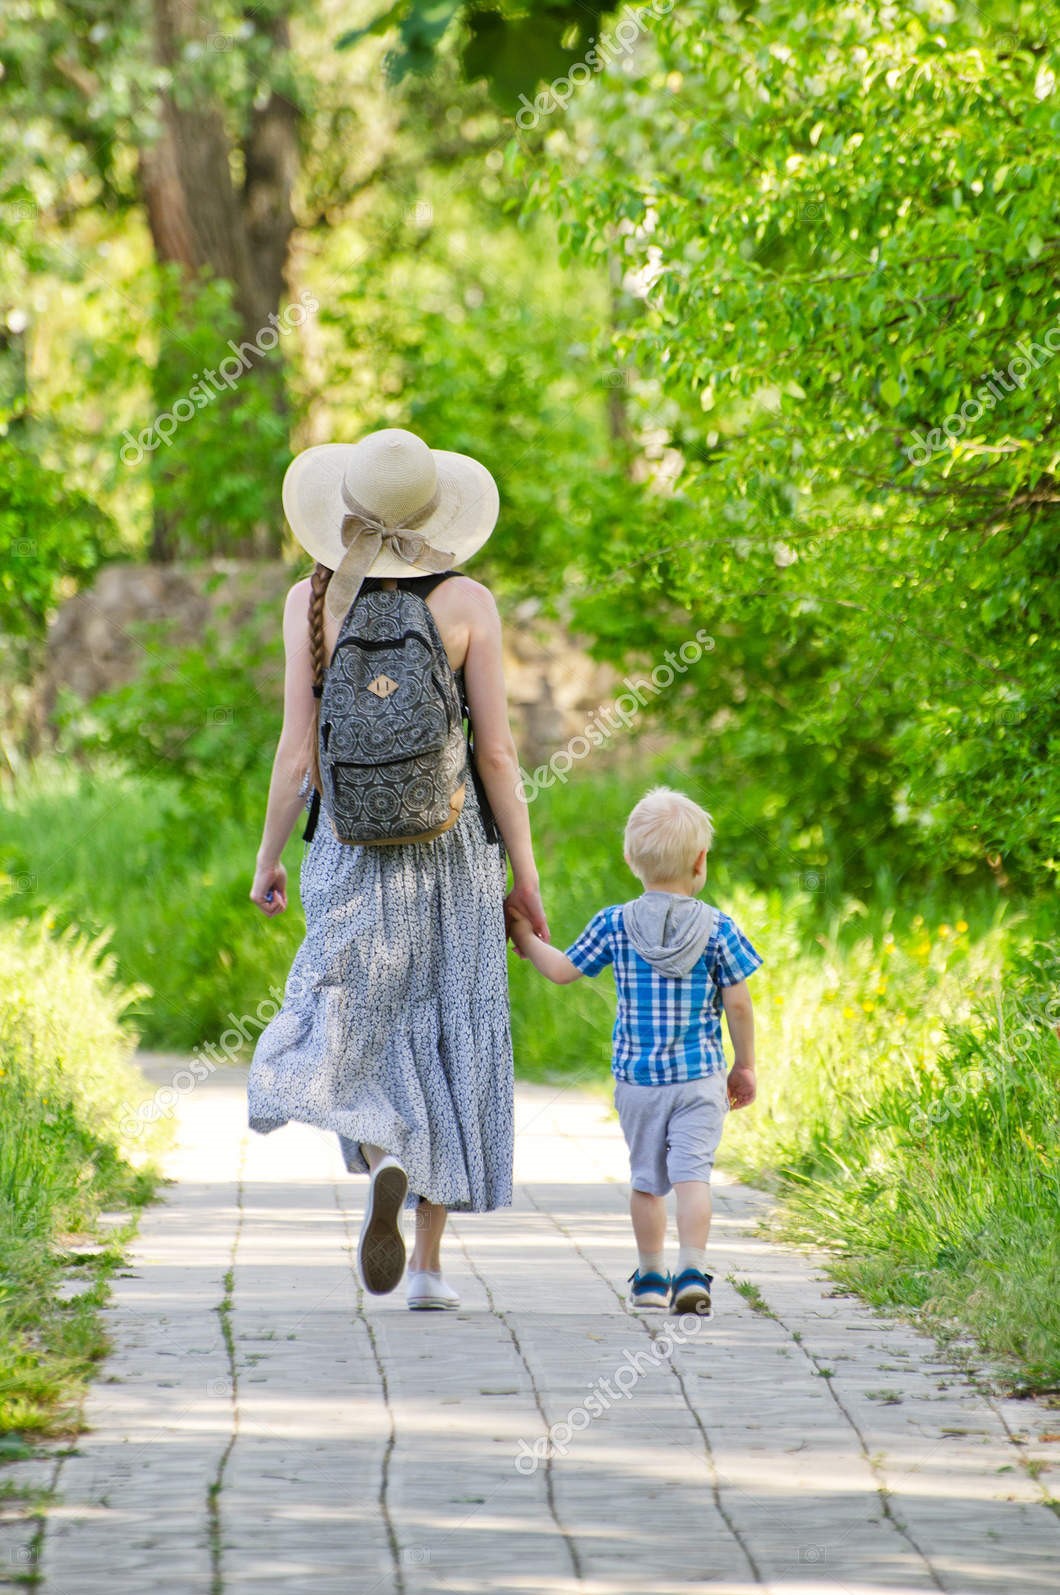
[393, 758]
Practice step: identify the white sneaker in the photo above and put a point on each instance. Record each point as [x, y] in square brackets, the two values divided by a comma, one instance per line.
[425, 1290]
[381, 1250]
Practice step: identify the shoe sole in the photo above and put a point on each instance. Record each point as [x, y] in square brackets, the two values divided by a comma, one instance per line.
[694, 1300]
[381, 1252]
[431, 1304]
[653, 1306]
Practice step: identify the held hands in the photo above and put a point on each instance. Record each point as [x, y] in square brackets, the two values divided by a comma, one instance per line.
[269, 890]
[518, 927]
[742, 1085]
[523, 903]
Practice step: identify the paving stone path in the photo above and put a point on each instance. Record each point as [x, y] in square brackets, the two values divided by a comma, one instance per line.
[262, 1426]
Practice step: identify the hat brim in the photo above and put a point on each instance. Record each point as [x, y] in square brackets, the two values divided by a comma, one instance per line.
[467, 510]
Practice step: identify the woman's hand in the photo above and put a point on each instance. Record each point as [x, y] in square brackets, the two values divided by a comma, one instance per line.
[269, 890]
[524, 902]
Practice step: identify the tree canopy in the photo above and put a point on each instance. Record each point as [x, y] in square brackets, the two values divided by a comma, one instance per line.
[837, 234]
[752, 309]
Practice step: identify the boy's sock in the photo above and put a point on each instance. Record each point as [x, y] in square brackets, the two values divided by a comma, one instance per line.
[651, 1262]
[691, 1257]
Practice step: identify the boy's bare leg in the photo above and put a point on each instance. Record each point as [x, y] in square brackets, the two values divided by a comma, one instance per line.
[430, 1222]
[648, 1216]
[694, 1211]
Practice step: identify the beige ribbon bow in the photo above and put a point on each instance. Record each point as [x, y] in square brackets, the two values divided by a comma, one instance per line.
[364, 535]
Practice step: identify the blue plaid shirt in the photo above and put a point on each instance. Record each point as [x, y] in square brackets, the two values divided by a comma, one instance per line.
[667, 1028]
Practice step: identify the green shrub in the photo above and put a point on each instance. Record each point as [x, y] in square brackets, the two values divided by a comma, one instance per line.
[48, 534]
[913, 1129]
[206, 715]
[67, 1083]
[167, 875]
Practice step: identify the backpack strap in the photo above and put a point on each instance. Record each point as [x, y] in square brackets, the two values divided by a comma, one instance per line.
[314, 815]
[427, 584]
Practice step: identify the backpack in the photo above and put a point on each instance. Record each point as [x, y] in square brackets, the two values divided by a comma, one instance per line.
[392, 751]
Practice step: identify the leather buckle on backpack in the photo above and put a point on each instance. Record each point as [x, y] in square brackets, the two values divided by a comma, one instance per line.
[383, 686]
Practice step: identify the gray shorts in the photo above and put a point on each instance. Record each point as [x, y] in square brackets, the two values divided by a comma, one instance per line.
[672, 1131]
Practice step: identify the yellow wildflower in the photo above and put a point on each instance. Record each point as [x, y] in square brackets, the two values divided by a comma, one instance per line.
[850, 1013]
[869, 1007]
[944, 932]
[962, 926]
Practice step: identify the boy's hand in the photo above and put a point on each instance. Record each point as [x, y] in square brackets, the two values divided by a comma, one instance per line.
[743, 1087]
[524, 902]
[522, 933]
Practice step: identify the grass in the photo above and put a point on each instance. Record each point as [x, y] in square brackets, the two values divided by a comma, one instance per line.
[752, 1295]
[69, 1185]
[165, 873]
[914, 1132]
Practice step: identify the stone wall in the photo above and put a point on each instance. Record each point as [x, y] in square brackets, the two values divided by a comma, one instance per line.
[96, 642]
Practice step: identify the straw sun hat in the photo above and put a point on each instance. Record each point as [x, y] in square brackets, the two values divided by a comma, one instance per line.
[387, 506]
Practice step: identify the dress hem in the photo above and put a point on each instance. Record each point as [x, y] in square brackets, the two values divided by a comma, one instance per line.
[357, 1165]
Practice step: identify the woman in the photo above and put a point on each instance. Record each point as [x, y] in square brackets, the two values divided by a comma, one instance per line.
[395, 1027]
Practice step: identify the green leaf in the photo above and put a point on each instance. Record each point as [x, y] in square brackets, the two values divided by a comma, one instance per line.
[383, 23]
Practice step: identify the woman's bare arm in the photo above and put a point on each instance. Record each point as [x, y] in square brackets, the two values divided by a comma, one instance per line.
[293, 754]
[496, 756]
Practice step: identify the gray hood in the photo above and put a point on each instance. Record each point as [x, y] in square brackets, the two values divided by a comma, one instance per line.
[669, 930]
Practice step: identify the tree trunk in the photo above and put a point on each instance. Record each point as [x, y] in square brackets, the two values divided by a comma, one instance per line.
[617, 393]
[198, 219]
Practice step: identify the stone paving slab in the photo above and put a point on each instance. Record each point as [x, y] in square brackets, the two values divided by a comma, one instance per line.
[263, 1426]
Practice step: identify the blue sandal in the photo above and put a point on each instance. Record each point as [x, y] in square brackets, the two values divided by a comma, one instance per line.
[649, 1290]
[690, 1293]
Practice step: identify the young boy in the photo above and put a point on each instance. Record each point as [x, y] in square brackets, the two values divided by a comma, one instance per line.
[675, 958]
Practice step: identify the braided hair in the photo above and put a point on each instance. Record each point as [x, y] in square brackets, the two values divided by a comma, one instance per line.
[318, 583]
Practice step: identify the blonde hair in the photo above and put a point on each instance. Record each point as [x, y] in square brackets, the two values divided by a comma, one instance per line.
[665, 833]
